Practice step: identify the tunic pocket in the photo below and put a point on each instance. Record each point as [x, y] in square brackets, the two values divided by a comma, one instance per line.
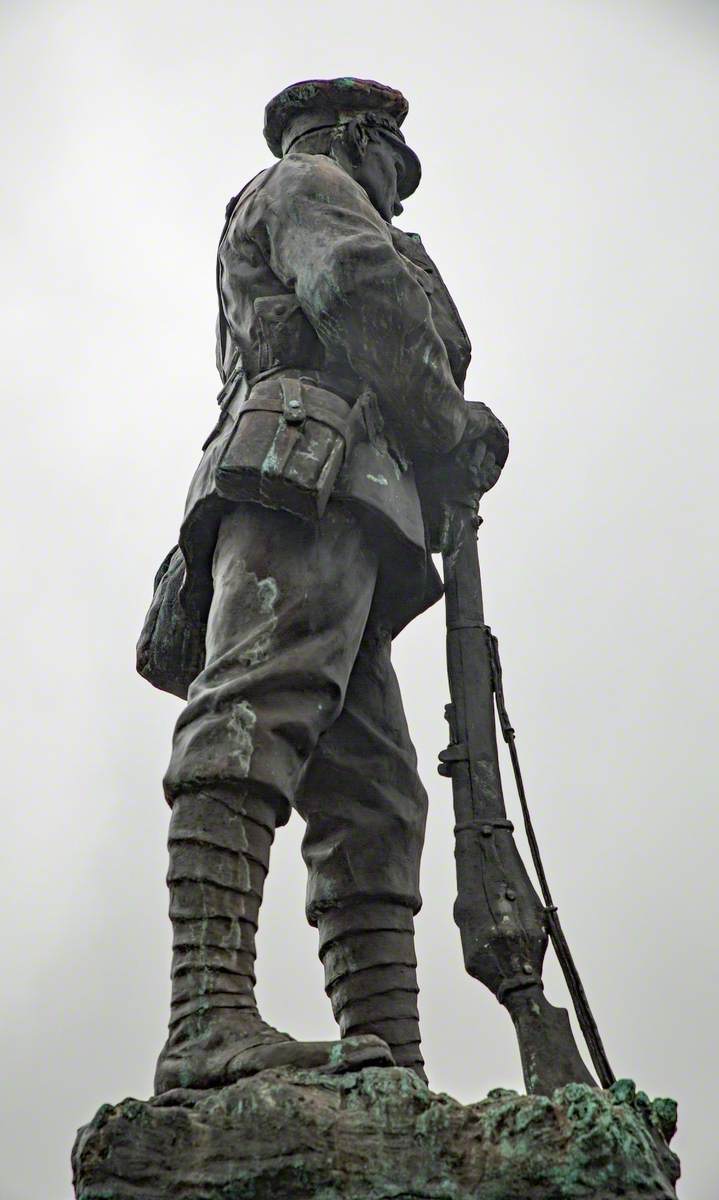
[284, 335]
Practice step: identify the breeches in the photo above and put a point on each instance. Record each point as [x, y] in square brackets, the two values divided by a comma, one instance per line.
[298, 703]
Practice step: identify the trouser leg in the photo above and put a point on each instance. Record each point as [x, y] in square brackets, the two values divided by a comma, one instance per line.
[290, 606]
[366, 809]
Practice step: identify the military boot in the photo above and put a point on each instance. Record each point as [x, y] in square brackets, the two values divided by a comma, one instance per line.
[219, 847]
[367, 951]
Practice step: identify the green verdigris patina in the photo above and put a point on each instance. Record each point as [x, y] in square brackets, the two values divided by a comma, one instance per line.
[375, 1135]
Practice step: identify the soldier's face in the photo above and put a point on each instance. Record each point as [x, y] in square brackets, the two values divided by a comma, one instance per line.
[379, 174]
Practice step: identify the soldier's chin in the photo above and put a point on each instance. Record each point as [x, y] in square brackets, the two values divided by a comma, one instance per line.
[386, 207]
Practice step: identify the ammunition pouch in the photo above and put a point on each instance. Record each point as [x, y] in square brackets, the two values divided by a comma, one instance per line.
[289, 442]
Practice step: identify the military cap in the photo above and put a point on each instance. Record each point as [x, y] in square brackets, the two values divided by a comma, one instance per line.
[329, 103]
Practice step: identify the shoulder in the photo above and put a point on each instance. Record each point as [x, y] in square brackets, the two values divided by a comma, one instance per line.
[309, 178]
[411, 246]
[403, 235]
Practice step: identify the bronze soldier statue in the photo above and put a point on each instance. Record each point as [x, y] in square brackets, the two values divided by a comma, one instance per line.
[302, 553]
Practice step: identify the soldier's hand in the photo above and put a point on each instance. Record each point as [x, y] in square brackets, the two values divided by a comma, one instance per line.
[463, 475]
[484, 446]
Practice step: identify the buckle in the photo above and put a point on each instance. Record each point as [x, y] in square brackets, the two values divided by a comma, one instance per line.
[293, 409]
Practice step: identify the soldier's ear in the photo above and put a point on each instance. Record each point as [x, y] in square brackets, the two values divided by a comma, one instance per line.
[355, 137]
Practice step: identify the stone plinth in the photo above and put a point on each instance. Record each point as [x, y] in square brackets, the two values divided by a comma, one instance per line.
[376, 1135]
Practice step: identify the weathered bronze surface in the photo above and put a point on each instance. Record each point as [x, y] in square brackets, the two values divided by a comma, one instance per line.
[378, 1135]
[344, 454]
[302, 552]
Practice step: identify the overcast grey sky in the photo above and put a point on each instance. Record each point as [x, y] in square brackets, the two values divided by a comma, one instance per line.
[570, 198]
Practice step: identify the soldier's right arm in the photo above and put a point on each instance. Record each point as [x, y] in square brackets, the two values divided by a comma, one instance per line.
[324, 239]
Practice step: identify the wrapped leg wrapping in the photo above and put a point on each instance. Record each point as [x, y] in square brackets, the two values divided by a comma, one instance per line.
[219, 856]
[371, 975]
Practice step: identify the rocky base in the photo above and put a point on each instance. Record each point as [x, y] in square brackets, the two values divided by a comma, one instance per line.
[376, 1135]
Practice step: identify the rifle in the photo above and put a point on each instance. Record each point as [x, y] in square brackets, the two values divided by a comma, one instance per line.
[504, 926]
